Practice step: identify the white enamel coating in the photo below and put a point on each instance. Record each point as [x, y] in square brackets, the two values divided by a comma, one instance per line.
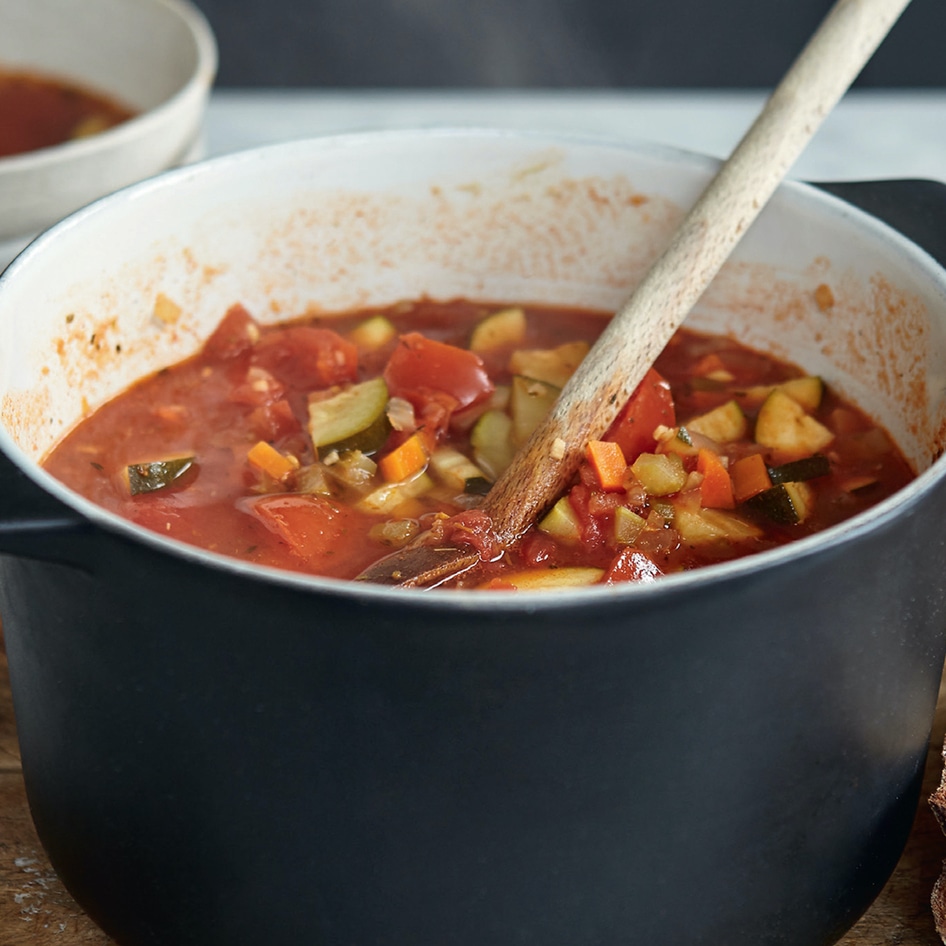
[158, 56]
[337, 223]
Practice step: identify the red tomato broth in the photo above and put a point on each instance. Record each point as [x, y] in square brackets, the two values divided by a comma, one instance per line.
[39, 111]
[252, 383]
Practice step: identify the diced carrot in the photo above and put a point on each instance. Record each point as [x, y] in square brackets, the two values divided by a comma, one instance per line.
[716, 490]
[607, 460]
[404, 461]
[269, 460]
[750, 476]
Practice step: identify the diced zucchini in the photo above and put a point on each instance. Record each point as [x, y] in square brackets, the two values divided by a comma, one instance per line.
[660, 473]
[454, 469]
[156, 474]
[385, 499]
[529, 401]
[787, 503]
[627, 525]
[552, 365]
[352, 419]
[784, 426]
[807, 391]
[797, 471]
[507, 327]
[552, 579]
[491, 439]
[699, 526]
[723, 424]
[561, 522]
[373, 333]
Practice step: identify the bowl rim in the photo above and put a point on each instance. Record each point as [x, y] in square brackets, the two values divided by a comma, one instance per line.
[504, 602]
[139, 125]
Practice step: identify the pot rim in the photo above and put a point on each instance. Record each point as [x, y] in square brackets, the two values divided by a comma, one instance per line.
[833, 538]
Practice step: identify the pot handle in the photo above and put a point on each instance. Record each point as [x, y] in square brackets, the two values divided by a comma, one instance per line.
[916, 208]
[35, 524]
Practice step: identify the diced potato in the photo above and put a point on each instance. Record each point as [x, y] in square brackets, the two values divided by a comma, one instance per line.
[506, 327]
[552, 365]
[553, 579]
[660, 473]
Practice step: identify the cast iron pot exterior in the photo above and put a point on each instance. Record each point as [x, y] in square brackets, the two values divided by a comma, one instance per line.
[217, 756]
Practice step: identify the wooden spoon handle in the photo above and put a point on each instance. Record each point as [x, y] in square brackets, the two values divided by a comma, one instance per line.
[608, 376]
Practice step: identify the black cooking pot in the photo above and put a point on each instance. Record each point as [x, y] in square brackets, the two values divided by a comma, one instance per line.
[220, 755]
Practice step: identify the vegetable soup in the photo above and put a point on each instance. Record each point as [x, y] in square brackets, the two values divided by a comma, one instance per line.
[321, 445]
[39, 111]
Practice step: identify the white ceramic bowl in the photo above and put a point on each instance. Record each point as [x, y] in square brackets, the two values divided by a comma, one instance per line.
[157, 56]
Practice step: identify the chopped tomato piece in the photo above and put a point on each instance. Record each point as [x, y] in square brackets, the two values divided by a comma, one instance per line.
[419, 363]
[650, 407]
[312, 526]
[273, 421]
[307, 357]
[236, 333]
[259, 387]
[631, 564]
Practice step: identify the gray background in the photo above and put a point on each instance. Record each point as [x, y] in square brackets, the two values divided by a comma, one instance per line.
[547, 43]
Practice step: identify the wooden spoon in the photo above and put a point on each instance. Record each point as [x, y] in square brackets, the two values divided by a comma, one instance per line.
[614, 367]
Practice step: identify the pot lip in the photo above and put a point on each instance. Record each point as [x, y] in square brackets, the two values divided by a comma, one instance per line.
[832, 538]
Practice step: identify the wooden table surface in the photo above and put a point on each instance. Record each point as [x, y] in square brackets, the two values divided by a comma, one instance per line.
[35, 909]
